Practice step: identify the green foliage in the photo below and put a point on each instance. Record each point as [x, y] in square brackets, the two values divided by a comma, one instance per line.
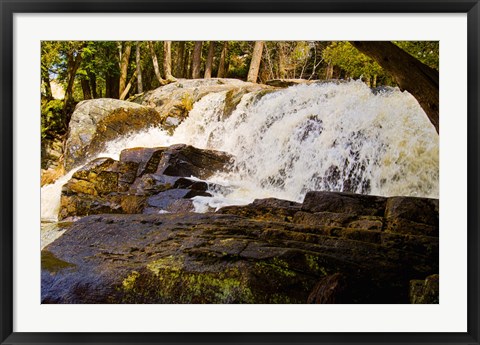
[238, 58]
[53, 122]
[281, 59]
[349, 59]
[355, 64]
[425, 51]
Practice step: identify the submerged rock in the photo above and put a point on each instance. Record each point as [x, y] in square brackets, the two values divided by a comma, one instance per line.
[149, 180]
[271, 251]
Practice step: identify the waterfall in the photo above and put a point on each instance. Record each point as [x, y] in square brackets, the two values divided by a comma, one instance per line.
[320, 136]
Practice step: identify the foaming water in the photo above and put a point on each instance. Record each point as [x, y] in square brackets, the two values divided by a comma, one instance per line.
[335, 137]
[50, 197]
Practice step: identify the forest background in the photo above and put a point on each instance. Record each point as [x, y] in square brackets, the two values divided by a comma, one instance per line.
[74, 71]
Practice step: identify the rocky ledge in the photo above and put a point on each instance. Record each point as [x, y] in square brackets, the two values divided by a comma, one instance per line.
[332, 248]
[143, 180]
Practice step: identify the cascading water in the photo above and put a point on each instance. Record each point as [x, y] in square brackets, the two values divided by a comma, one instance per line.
[328, 136]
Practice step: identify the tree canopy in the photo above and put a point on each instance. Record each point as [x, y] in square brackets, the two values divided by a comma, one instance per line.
[120, 69]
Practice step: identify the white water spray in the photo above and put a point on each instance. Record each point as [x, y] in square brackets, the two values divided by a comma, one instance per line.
[337, 137]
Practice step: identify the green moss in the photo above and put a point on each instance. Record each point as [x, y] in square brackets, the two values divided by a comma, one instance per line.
[53, 264]
[278, 266]
[220, 288]
[168, 282]
[129, 282]
[170, 263]
[312, 263]
[280, 299]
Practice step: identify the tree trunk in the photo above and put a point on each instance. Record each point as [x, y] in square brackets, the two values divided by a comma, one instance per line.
[87, 92]
[222, 71]
[124, 66]
[255, 63]
[139, 69]
[108, 86]
[410, 74]
[329, 72]
[180, 59]
[167, 60]
[282, 72]
[209, 63]
[93, 84]
[155, 63]
[197, 59]
[186, 61]
[111, 86]
[73, 63]
[127, 88]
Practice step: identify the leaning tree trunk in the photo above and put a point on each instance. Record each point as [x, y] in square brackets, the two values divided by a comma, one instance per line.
[410, 74]
[197, 59]
[155, 64]
[255, 63]
[209, 62]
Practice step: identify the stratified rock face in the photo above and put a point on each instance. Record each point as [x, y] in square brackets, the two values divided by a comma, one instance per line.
[95, 122]
[332, 248]
[144, 180]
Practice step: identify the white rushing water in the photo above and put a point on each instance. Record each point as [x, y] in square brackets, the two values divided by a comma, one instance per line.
[336, 137]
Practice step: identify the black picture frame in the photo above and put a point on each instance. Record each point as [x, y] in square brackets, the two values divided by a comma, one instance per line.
[7, 10]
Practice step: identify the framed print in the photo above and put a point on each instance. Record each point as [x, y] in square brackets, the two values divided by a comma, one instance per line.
[230, 172]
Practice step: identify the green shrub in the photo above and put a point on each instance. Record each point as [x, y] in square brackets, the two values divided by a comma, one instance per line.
[53, 120]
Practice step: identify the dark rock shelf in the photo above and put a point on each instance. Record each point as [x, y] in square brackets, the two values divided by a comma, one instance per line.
[332, 248]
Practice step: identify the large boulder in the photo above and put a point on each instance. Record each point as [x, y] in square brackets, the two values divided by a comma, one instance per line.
[96, 122]
[143, 180]
[271, 251]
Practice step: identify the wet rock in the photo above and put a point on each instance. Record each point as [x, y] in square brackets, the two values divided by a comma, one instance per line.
[95, 122]
[287, 82]
[330, 290]
[416, 216]
[271, 251]
[79, 205]
[147, 158]
[185, 161]
[265, 209]
[418, 210]
[234, 96]
[425, 291]
[164, 199]
[144, 180]
[344, 203]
